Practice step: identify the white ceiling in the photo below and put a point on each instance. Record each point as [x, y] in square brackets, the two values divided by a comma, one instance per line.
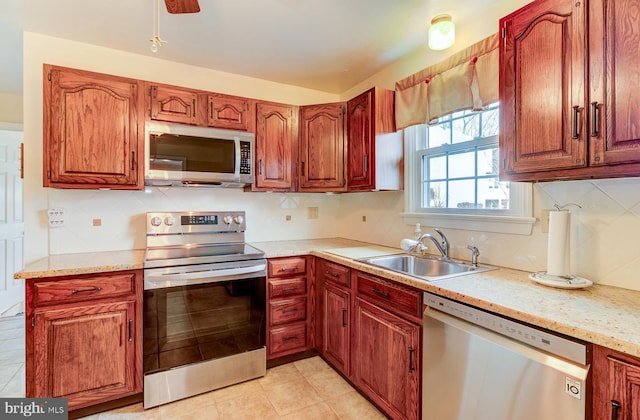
[328, 45]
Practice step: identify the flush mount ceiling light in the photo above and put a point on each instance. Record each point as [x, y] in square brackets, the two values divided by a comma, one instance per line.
[156, 41]
[442, 33]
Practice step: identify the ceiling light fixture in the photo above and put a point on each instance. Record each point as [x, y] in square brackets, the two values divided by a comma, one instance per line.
[442, 33]
[156, 41]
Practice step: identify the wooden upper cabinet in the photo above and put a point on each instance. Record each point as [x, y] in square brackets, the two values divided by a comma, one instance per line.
[614, 30]
[569, 91]
[229, 112]
[542, 78]
[369, 115]
[93, 130]
[173, 104]
[322, 148]
[275, 124]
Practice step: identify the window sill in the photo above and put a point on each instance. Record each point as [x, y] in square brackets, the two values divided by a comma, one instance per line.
[483, 223]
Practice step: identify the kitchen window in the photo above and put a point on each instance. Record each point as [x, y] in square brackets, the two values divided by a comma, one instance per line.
[452, 176]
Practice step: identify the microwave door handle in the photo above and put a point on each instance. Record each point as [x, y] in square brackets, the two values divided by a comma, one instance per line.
[236, 141]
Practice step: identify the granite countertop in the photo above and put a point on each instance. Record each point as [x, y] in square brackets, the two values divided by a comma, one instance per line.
[603, 315]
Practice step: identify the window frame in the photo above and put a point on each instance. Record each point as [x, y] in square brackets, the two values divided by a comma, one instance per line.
[515, 220]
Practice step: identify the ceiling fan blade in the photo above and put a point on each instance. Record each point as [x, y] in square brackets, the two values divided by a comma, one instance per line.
[182, 6]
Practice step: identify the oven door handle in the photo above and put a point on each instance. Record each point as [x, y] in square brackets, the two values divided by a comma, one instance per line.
[160, 279]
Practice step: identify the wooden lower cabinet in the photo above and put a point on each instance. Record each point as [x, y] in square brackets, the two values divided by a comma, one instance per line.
[386, 360]
[616, 385]
[337, 327]
[86, 348]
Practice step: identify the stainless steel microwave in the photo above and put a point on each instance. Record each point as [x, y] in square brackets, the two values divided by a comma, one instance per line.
[182, 155]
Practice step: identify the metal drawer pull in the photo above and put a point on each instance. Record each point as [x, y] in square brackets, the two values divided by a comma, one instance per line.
[93, 289]
[294, 337]
[576, 113]
[332, 274]
[344, 317]
[411, 353]
[380, 292]
[131, 330]
[289, 269]
[288, 289]
[286, 311]
[615, 409]
[595, 119]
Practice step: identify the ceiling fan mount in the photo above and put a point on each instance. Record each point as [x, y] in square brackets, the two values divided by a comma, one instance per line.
[182, 6]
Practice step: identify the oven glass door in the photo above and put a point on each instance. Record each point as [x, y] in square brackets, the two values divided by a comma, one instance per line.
[194, 323]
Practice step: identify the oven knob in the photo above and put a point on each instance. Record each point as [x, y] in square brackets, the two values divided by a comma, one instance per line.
[238, 219]
[156, 221]
[227, 219]
[169, 220]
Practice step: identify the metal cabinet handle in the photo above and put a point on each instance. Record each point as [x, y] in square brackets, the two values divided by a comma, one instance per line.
[133, 160]
[344, 317]
[615, 409]
[130, 330]
[289, 289]
[302, 168]
[380, 292]
[286, 311]
[332, 274]
[576, 114]
[289, 269]
[193, 110]
[411, 366]
[366, 163]
[260, 167]
[293, 337]
[93, 289]
[595, 119]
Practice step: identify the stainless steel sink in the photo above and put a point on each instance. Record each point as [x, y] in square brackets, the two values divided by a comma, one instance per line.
[426, 268]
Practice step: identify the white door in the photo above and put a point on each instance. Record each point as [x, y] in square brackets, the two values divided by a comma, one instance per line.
[11, 223]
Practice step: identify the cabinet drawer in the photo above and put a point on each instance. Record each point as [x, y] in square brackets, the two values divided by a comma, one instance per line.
[79, 289]
[389, 295]
[286, 267]
[289, 339]
[336, 273]
[287, 287]
[288, 310]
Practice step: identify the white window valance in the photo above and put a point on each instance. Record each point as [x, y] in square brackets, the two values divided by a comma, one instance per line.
[466, 80]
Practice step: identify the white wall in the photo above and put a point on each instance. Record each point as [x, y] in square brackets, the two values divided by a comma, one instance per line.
[10, 108]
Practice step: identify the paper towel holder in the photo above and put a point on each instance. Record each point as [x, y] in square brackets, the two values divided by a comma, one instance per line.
[564, 206]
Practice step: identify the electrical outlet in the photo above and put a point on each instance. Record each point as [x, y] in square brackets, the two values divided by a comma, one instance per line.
[364, 218]
[287, 217]
[56, 217]
[312, 212]
[544, 221]
[97, 222]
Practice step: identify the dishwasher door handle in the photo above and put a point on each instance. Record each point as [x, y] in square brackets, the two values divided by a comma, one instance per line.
[570, 369]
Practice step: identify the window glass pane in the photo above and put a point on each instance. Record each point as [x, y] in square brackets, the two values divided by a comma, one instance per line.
[436, 195]
[466, 128]
[488, 161]
[439, 134]
[462, 165]
[437, 167]
[490, 123]
[462, 194]
[493, 194]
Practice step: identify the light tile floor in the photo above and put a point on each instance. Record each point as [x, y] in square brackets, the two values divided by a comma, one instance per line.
[306, 389]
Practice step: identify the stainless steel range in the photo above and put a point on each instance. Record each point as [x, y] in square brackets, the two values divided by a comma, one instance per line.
[204, 305]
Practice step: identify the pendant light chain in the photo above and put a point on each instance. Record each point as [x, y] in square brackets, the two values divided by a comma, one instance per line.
[156, 40]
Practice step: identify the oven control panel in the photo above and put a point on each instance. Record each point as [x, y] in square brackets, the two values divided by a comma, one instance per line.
[195, 222]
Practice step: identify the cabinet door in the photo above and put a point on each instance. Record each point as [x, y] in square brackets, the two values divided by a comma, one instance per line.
[616, 385]
[337, 327]
[383, 339]
[274, 157]
[322, 148]
[86, 354]
[173, 104]
[360, 140]
[228, 112]
[92, 130]
[614, 126]
[542, 82]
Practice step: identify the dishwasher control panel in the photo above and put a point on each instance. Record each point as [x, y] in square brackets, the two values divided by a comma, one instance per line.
[531, 336]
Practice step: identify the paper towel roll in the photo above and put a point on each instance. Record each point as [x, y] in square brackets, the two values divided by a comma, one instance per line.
[558, 253]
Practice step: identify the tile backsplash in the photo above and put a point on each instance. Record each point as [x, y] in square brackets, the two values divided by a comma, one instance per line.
[603, 230]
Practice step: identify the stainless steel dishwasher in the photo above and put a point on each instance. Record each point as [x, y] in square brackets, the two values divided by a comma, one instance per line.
[479, 366]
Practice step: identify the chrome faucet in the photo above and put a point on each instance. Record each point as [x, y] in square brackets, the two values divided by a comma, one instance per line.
[442, 246]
